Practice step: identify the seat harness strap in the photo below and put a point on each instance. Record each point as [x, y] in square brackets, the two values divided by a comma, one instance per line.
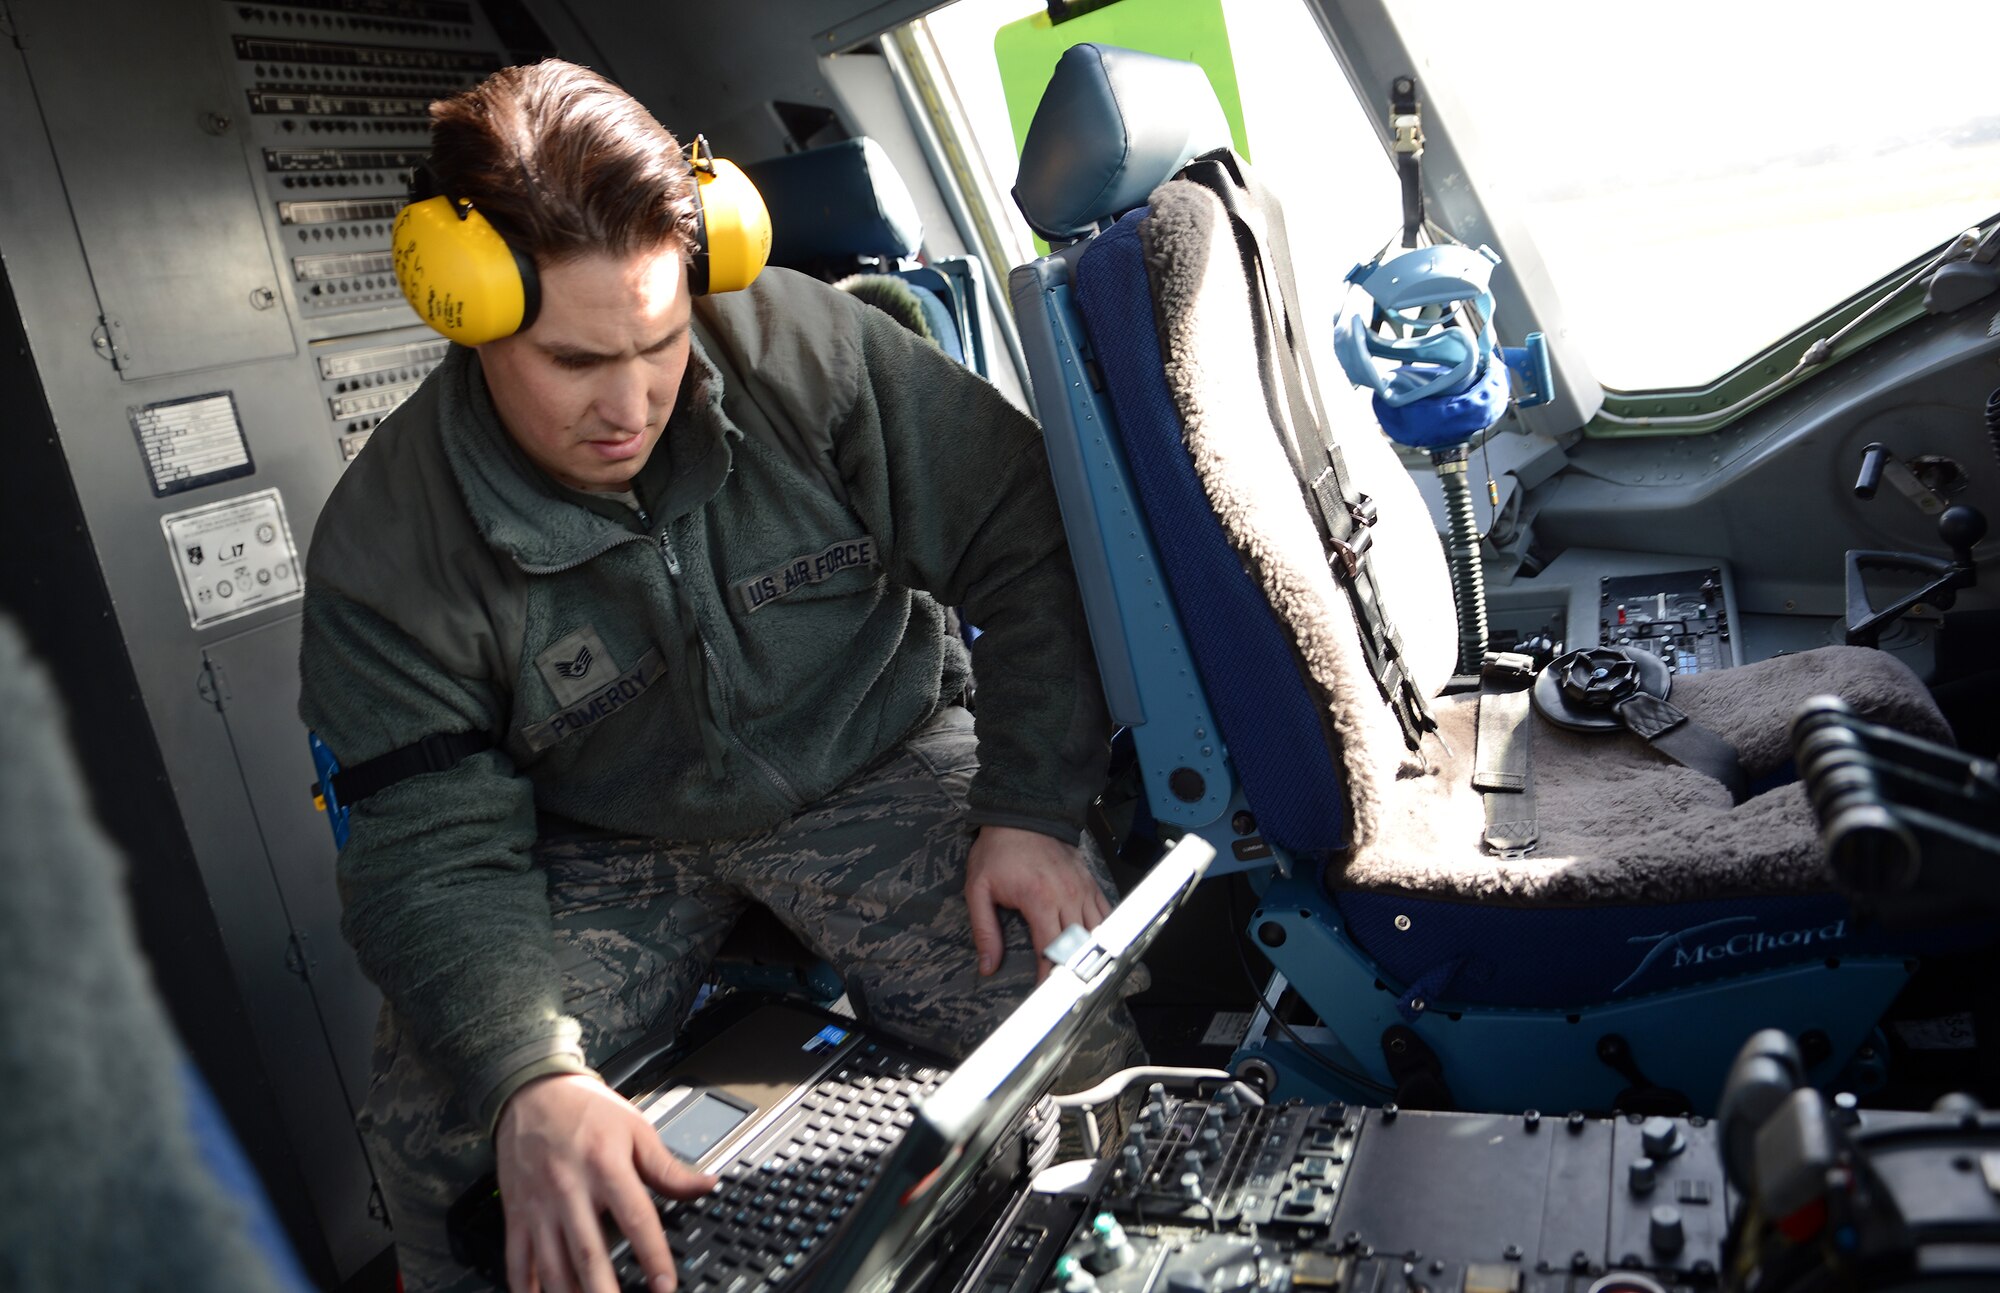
[1342, 514]
[1406, 123]
[1601, 689]
[1683, 740]
[1502, 772]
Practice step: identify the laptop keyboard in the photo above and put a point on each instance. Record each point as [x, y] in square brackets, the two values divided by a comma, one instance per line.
[786, 1193]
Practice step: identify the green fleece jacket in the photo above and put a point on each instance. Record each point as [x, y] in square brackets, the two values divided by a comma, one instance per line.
[764, 627]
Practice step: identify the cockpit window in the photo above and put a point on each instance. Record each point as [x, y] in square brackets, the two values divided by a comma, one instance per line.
[1704, 178]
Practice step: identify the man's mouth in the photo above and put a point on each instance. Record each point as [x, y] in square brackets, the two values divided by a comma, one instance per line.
[616, 448]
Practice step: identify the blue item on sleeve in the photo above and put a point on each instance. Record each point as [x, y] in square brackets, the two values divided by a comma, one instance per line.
[326, 768]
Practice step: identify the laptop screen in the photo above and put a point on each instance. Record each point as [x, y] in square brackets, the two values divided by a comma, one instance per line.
[934, 1165]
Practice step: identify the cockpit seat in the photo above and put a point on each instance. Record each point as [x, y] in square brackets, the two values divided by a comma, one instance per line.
[1654, 925]
[843, 213]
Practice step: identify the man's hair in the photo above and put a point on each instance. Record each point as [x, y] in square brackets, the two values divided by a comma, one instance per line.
[563, 163]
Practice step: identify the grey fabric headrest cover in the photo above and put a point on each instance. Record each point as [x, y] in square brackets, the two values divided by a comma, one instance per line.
[1112, 126]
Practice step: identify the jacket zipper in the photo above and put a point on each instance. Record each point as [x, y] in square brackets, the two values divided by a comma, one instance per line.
[724, 723]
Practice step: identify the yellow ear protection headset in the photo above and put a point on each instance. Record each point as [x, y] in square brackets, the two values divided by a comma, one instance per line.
[463, 279]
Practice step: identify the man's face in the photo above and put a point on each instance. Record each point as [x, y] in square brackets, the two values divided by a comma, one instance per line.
[587, 390]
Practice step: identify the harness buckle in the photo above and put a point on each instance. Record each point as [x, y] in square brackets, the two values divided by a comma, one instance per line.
[1349, 554]
[1505, 667]
[1409, 130]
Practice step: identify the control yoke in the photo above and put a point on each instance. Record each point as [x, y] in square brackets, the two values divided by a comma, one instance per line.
[1908, 824]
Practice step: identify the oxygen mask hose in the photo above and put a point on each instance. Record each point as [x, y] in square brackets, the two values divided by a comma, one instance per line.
[1468, 579]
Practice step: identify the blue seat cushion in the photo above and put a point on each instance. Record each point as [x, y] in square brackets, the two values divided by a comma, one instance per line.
[1270, 720]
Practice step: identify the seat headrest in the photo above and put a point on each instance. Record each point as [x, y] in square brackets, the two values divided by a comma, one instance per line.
[837, 203]
[1113, 125]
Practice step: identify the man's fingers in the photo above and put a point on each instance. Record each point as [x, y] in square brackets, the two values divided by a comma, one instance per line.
[675, 1179]
[632, 1208]
[584, 1243]
[520, 1265]
[668, 1174]
[1100, 907]
[1043, 927]
[549, 1256]
[986, 939]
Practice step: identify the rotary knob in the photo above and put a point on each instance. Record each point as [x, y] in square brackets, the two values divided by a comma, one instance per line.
[1661, 1138]
[1666, 1232]
[1073, 1276]
[1109, 1248]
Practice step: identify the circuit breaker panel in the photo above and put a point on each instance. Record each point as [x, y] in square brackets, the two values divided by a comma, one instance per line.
[338, 101]
[196, 199]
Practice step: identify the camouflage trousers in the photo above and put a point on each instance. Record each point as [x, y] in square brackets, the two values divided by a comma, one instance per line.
[871, 878]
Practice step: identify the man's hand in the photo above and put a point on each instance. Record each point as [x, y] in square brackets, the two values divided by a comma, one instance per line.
[1035, 874]
[570, 1149]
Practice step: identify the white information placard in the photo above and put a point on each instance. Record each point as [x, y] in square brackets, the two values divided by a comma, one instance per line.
[234, 557]
[193, 441]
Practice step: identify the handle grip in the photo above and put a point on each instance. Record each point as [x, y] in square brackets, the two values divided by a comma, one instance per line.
[1873, 459]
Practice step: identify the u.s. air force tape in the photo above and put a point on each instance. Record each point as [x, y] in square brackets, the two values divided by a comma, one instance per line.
[760, 591]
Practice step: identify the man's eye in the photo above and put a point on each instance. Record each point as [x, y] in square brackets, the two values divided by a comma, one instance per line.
[575, 363]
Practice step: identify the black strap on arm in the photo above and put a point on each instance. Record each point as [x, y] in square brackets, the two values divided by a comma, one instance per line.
[435, 753]
[1343, 514]
[1406, 128]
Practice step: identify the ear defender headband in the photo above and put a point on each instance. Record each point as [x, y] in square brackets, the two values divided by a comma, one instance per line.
[465, 280]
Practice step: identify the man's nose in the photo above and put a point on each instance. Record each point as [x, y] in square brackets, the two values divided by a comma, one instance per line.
[622, 400]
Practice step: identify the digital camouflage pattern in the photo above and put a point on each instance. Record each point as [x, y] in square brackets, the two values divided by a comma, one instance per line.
[871, 878]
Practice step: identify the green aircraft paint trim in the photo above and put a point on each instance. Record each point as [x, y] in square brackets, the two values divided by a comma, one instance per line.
[1745, 379]
[1027, 51]
[1749, 377]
